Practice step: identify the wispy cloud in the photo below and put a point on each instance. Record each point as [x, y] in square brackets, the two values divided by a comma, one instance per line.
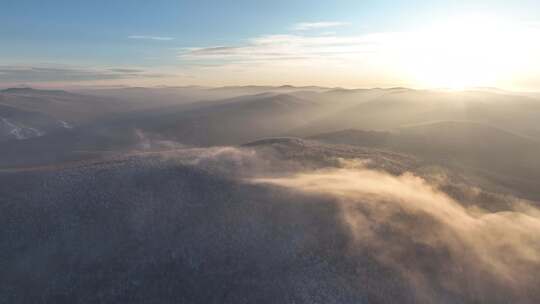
[215, 50]
[156, 38]
[63, 73]
[434, 56]
[287, 47]
[307, 26]
[387, 46]
[534, 24]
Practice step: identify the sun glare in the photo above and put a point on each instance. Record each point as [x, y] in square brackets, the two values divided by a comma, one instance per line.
[467, 52]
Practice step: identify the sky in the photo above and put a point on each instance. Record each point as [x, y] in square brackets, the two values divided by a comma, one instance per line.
[340, 43]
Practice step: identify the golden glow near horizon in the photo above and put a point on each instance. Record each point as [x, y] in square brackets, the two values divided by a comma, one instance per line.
[454, 53]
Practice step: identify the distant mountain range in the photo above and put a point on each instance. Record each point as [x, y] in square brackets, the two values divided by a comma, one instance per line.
[105, 119]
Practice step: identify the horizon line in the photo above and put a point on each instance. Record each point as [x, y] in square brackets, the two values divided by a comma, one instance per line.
[71, 87]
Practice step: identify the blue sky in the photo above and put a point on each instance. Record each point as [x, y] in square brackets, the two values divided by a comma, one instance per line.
[153, 36]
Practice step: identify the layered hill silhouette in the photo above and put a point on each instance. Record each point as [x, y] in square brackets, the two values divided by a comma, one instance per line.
[269, 194]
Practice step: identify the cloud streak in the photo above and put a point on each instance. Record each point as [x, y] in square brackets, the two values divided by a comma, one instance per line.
[53, 73]
[434, 56]
[307, 26]
[145, 37]
[286, 47]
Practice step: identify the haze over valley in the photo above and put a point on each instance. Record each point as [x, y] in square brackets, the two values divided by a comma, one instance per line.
[201, 180]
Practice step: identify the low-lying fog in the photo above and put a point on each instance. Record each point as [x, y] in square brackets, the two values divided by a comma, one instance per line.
[262, 194]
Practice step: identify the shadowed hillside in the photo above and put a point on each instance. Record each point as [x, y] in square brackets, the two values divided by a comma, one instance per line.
[221, 225]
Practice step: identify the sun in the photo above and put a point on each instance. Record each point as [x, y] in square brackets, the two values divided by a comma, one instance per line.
[465, 52]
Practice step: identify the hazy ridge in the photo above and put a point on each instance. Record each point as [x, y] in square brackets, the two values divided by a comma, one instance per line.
[270, 194]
